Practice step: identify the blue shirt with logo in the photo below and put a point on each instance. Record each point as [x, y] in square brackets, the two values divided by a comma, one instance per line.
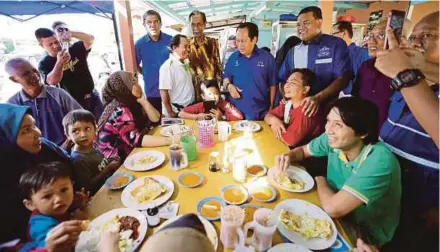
[152, 54]
[254, 76]
[357, 55]
[327, 56]
[48, 110]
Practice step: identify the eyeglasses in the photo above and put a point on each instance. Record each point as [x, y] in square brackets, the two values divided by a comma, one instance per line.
[422, 37]
[61, 29]
[376, 36]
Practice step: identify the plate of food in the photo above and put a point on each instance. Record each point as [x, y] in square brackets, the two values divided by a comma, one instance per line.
[144, 161]
[174, 130]
[210, 208]
[234, 194]
[288, 247]
[256, 170]
[293, 180]
[190, 179]
[148, 191]
[249, 210]
[305, 224]
[263, 193]
[129, 223]
[209, 228]
[243, 125]
[119, 180]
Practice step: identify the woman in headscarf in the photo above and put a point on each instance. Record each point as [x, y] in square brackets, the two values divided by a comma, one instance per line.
[21, 147]
[127, 117]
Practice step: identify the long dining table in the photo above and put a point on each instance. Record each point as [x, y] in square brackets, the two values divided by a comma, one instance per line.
[262, 148]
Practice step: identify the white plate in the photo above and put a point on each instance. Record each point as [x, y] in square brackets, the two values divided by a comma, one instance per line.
[300, 207]
[160, 158]
[288, 247]
[130, 202]
[240, 126]
[209, 228]
[166, 131]
[100, 220]
[297, 173]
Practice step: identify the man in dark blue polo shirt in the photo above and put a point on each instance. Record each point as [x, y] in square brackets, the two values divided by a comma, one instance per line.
[327, 56]
[250, 75]
[152, 51]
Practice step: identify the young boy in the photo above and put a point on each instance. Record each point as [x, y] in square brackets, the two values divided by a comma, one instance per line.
[48, 193]
[90, 168]
[222, 109]
[287, 120]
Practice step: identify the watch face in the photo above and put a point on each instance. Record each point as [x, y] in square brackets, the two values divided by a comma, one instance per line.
[407, 77]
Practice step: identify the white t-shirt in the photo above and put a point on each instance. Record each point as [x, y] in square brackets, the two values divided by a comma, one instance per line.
[176, 77]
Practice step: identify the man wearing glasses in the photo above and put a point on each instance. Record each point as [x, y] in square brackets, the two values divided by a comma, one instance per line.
[327, 56]
[66, 64]
[152, 51]
[344, 30]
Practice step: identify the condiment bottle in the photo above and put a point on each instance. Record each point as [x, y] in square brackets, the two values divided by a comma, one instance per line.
[213, 162]
[153, 216]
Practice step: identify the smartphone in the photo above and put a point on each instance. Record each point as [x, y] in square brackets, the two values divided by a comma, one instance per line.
[171, 121]
[396, 19]
[208, 106]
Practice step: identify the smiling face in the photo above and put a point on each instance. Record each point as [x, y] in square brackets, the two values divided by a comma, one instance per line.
[376, 40]
[182, 51]
[28, 77]
[308, 27]
[425, 38]
[294, 88]
[340, 136]
[211, 93]
[197, 25]
[29, 136]
[53, 199]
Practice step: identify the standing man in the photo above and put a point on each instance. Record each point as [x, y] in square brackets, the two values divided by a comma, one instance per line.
[344, 30]
[327, 56]
[250, 75]
[204, 55]
[152, 51]
[175, 83]
[68, 66]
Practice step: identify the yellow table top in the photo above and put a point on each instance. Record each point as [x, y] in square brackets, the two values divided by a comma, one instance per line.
[264, 148]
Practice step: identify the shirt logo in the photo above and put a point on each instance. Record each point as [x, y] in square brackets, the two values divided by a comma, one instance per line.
[260, 64]
[324, 52]
[70, 65]
[236, 63]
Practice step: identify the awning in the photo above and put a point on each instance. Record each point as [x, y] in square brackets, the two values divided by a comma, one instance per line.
[37, 8]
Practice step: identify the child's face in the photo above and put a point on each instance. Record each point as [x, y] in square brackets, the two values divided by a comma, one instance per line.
[53, 199]
[294, 87]
[82, 133]
[211, 93]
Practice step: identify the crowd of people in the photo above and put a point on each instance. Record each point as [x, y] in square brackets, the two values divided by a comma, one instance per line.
[373, 114]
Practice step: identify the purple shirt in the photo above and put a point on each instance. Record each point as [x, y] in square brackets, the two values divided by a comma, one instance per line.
[374, 86]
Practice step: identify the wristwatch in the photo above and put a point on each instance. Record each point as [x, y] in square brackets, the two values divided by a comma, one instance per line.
[407, 78]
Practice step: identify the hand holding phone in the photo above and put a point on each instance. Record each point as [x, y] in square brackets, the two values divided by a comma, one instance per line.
[396, 19]
[208, 106]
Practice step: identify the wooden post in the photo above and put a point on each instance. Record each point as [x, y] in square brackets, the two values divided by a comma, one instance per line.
[327, 15]
[125, 29]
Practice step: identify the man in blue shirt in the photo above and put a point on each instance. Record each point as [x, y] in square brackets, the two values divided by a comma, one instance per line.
[250, 75]
[152, 51]
[327, 56]
[344, 30]
[49, 104]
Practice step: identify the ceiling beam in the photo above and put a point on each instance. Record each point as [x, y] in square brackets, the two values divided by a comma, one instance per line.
[350, 5]
[161, 6]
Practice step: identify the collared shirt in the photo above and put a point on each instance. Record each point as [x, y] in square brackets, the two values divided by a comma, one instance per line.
[175, 76]
[374, 178]
[372, 85]
[152, 54]
[204, 60]
[406, 138]
[327, 57]
[48, 109]
[357, 55]
[254, 76]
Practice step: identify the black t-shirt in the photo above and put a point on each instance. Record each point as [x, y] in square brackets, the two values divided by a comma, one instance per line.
[78, 82]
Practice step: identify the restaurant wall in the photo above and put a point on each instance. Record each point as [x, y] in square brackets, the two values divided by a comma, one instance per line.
[423, 9]
[362, 15]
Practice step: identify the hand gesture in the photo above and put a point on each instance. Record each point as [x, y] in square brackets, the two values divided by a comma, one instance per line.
[361, 246]
[63, 57]
[201, 116]
[282, 162]
[278, 128]
[114, 163]
[234, 91]
[216, 113]
[81, 199]
[109, 242]
[310, 106]
[64, 236]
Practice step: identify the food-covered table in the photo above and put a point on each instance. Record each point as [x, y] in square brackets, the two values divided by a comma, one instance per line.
[261, 148]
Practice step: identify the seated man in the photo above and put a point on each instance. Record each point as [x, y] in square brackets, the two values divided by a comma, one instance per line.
[49, 104]
[363, 176]
[220, 108]
[175, 81]
[300, 128]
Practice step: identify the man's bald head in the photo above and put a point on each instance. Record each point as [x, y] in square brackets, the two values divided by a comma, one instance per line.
[13, 64]
[432, 18]
[22, 72]
[425, 37]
